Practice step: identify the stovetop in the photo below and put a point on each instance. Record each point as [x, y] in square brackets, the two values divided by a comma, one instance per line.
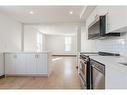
[99, 54]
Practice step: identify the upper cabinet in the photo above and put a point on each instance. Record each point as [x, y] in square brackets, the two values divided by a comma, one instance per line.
[116, 20]
[115, 15]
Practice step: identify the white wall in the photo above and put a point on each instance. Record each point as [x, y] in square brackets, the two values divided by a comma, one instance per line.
[54, 39]
[55, 43]
[115, 45]
[87, 45]
[10, 34]
[10, 37]
[111, 44]
[57, 28]
[78, 39]
[30, 39]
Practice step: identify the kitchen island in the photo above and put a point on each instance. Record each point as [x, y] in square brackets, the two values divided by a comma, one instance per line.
[27, 63]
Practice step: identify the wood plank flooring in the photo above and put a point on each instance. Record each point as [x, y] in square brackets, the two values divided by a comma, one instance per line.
[64, 76]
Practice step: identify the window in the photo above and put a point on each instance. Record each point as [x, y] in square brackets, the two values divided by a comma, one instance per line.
[68, 42]
[39, 42]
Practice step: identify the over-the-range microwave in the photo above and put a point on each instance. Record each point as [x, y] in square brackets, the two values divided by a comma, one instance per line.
[98, 28]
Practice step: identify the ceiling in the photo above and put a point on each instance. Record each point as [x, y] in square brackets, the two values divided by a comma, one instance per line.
[43, 14]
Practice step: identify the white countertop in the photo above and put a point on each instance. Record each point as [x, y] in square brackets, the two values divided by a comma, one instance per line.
[30, 52]
[113, 61]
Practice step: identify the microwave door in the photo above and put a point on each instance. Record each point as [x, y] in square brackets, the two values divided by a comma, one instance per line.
[93, 31]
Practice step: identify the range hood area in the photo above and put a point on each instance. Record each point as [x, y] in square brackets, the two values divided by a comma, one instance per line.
[98, 29]
[107, 35]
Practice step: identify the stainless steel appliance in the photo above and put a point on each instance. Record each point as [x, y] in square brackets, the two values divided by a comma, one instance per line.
[97, 75]
[98, 28]
[92, 72]
[84, 71]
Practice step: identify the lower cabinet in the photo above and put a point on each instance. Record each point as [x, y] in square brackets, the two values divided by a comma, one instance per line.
[41, 64]
[10, 63]
[1, 64]
[30, 62]
[115, 78]
[20, 65]
[26, 64]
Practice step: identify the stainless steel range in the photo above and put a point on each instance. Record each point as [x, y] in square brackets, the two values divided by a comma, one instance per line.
[91, 72]
[84, 71]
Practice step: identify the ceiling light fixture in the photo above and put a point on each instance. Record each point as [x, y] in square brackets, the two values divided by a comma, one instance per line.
[31, 12]
[71, 12]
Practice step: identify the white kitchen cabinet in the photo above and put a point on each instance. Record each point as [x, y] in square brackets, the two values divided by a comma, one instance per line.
[115, 78]
[15, 63]
[1, 64]
[30, 63]
[40, 63]
[10, 63]
[20, 65]
[116, 17]
[27, 63]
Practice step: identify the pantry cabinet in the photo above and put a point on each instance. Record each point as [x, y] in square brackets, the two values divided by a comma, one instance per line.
[27, 64]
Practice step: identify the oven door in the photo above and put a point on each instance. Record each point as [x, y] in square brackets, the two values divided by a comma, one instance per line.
[82, 72]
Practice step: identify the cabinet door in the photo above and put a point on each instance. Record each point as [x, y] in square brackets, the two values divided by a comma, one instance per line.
[1, 65]
[115, 78]
[41, 64]
[10, 61]
[20, 64]
[117, 18]
[30, 63]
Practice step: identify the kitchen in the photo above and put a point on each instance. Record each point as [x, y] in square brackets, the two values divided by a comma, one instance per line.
[87, 44]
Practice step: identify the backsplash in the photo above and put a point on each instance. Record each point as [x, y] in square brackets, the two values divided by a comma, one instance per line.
[113, 45]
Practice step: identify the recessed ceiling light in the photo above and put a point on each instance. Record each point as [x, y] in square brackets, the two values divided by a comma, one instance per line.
[31, 12]
[71, 12]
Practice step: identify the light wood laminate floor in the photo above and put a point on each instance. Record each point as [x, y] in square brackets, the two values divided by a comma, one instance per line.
[64, 76]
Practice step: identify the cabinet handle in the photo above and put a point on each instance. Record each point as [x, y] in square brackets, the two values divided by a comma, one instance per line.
[15, 56]
[36, 56]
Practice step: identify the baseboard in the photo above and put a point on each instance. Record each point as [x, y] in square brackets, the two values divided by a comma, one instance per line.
[29, 75]
[2, 76]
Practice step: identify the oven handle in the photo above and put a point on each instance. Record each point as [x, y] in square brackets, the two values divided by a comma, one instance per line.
[84, 62]
[97, 69]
